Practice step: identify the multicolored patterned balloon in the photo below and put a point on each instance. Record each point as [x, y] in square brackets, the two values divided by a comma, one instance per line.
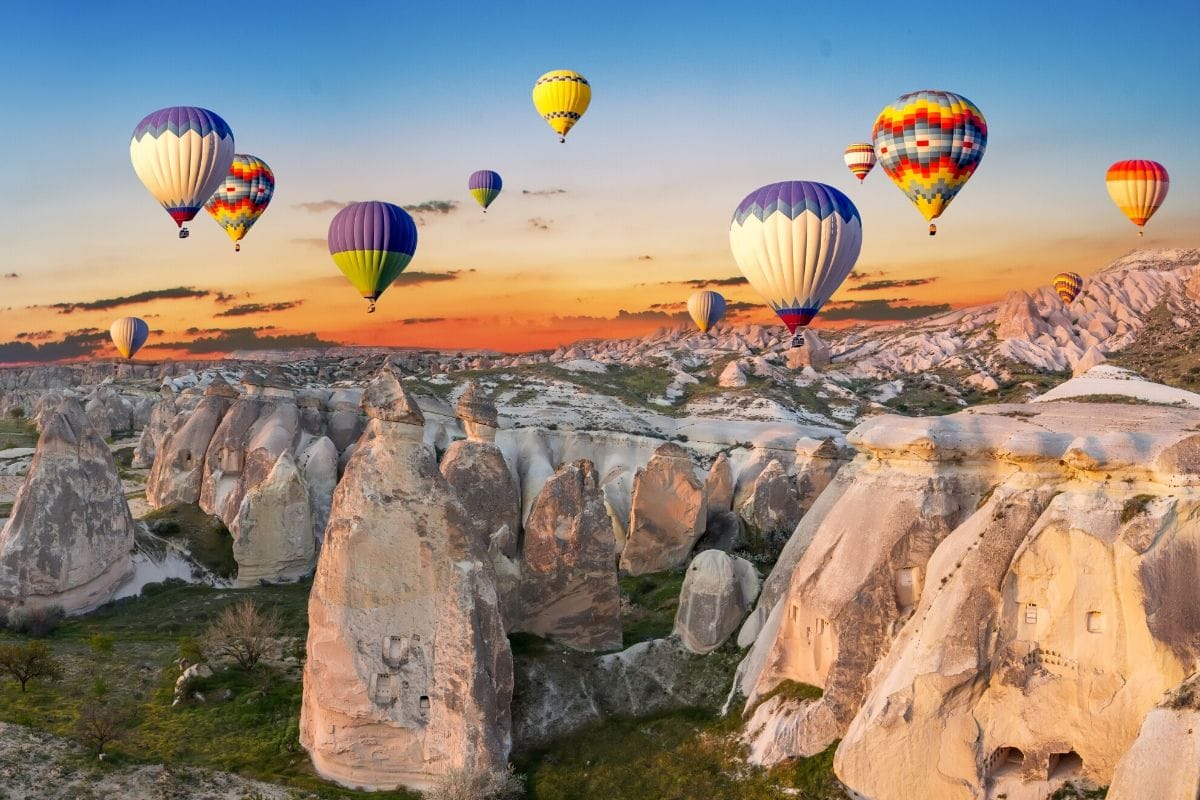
[860, 158]
[129, 334]
[485, 187]
[930, 143]
[561, 96]
[242, 197]
[181, 154]
[372, 243]
[796, 242]
[1138, 188]
[1068, 285]
[706, 308]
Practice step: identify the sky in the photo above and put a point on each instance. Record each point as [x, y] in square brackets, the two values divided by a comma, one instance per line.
[694, 105]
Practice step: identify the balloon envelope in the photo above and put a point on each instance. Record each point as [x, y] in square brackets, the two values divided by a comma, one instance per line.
[929, 143]
[372, 243]
[860, 158]
[243, 196]
[1138, 187]
[796, 242]
[561, 96]
[129, 334]
[181, 154]
[706, 308]
[485, 186]
[1068, 285]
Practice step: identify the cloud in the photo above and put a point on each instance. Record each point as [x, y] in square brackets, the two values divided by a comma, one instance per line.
[668, 306]
[873, 286]
[880, 311]
[856, 276]
[11, 275]
[223, 298]
[442, 207]
[312, 241]
[323, 205]
[701, 283]
[738, 307]
[416, 277]
[176, 293]
[539, 224]
[230, 339]
[35, 336]
[541, 192]
[199, 331]
[259, 308]
[645, 258]
[74, 344]
[420, 320]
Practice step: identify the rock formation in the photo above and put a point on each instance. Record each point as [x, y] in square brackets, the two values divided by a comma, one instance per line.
[568, 588]
[718, 486]
[161, 417]
[772, 507]
[68, 540]
[273, 534]
[669, 512]
[717, 592]
[1164, 761]
[319, 464]
[178, 470]
[409, 674]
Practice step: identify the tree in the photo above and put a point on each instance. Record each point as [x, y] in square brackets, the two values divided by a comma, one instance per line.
[480, 783]
[100, 725]
[24, 662]
[242, 632]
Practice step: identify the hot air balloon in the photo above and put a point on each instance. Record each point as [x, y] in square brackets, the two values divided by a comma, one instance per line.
[860, 158]
[129, 334]
[1068, 285]
[242, 197]
[372, 243]
[929, 143]
[796, 242]
[706, 307]
[561, 96]
[1138, 188]
[182, 154]
[485, 187]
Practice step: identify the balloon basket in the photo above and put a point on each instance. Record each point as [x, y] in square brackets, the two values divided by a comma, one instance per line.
[933, 230]
[798, 340]
[237, 247]
[184, 233]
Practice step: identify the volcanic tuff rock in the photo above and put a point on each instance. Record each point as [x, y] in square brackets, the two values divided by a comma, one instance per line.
[718, 486]
[772, 508]
[669, 512]
[161, 417]
[178, 470]
[69, 538]
[718, 590]
[485, 485]
[478, 414]
[108, 411]
[408, 674]
[1164, 761]
[981, 642]
[568, 588]
[272, 533]
[318, 462]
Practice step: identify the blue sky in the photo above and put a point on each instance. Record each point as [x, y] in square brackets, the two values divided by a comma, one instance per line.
[695, 104]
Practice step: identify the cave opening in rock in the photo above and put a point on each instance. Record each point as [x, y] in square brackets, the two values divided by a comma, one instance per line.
[1064, 766]
[1006, 761]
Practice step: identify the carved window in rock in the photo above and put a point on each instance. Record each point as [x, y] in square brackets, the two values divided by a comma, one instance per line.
[384, 693]
[820, 626]
[1095, 622]
[1063, 766]
[424, 702]
[187, 459]
[906, 585]
[231, 460]
[395, 650]
[1031, 613]
[1005, 760]
[795, 612]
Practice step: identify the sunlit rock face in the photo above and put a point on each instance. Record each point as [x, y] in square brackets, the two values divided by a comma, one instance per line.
[409, 674]
[669, 512]
[1164, 761]
[990, 602]
[69, 539]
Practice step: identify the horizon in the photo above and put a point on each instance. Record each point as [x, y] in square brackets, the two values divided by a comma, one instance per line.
[340, 117]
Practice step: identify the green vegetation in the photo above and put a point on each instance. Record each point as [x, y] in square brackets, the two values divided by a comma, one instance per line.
[1135, 505]
[207, 538]
[634, 385]
[678, 756]
[1164, 353]
[17, 432]
[1073, 791]
[792, 690]
[653, 600]
[926, 398]
[1014, 390]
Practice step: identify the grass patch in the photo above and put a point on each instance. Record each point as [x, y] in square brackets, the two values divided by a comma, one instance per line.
[633, 385]
[1164, 353]
[206, 537]
[17, 432]
[653, 601]
[1013, 389]
[6, 509]
[678, 756]
[1135, 506]
[792, 690]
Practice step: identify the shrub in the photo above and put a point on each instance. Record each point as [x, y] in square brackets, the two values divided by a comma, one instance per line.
[99, 725]
[241, 632]
[35, 621]
[25, 662]
[478, 784]
[17, 413]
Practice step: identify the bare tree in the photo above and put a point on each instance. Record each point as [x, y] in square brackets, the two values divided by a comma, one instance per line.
[480, 783]
[243, 632]
[24, 662]
[100, 725]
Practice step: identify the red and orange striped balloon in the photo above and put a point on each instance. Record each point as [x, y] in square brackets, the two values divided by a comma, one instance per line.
[1138, 187]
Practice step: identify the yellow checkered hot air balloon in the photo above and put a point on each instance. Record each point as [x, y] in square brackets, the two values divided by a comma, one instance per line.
[929, 143]
[1068, 285]
[561, 96]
